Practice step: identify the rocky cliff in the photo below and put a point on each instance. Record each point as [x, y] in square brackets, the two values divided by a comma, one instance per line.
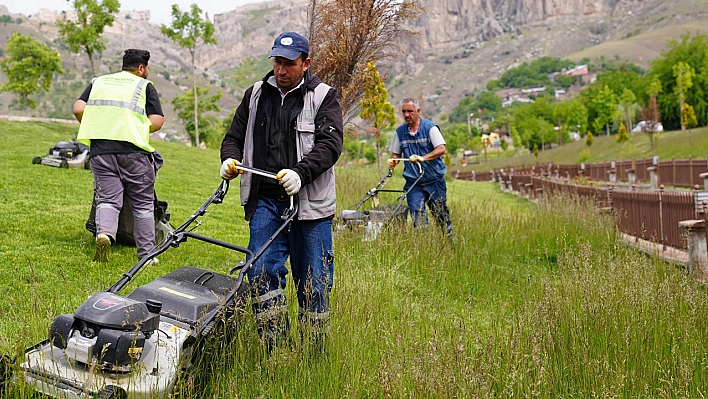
[249, 30]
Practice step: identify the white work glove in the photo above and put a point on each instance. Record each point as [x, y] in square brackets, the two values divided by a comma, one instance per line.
[290, 181]
[416, 158]
[228, 170]
[392, 163]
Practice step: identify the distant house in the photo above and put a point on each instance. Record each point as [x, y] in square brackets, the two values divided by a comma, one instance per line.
[578, 70]
[533, 90]
[581, 71]
[511, 100]
[560, 93]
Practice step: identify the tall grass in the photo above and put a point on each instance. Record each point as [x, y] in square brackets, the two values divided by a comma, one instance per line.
[531, 301]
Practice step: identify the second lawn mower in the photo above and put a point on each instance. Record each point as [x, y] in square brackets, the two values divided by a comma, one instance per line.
[370, 216]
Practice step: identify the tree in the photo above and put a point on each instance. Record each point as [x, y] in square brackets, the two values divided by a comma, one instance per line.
[571, 116]
[622, 135]
[589, 140]
[688, 119]
[84, 34]
[374, 107]
[190, 31]
[693, 50]
[650, 116]
[627, 100]
[184, 106]
[29, 69]
[605, 104]
[346, 35]
[534, 131]
[650, 112]
[683, 73]
[565, 81]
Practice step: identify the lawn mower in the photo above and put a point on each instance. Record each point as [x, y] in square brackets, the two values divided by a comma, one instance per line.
[66, 154]
[126, 223]
[372, 220]
[136, 346]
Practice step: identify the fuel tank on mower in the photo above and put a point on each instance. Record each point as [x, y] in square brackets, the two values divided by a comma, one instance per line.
[108, 328]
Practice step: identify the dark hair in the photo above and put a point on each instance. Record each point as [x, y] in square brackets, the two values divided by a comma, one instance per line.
[133, 58]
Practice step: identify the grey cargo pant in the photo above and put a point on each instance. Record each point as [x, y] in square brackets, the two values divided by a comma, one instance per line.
[134, 174]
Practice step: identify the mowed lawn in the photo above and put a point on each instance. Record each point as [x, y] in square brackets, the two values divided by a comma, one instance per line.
[531, 301]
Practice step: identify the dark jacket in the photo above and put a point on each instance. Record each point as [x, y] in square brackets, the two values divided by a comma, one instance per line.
[329, 135]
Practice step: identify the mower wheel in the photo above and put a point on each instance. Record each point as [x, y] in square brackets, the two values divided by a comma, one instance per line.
[37, 160]
[87, 165]
[64, 164]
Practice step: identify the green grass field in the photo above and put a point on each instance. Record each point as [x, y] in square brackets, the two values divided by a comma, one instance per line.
[533, 301]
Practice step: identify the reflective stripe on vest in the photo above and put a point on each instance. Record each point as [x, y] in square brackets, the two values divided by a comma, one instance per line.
[132, 105]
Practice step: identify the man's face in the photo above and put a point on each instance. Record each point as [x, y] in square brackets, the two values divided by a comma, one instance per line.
[410, 113]
[289, 73]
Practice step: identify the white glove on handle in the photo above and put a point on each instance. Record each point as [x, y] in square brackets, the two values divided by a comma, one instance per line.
[416, 158]
[290, 181]
[228, 170]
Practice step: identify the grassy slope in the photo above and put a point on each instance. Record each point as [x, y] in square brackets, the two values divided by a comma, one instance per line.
[642, 48]
[531, 300]
[677, 144]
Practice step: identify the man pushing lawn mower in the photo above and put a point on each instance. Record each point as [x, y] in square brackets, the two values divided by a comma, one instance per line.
[421, 136]
[117, 113]
[289, 124]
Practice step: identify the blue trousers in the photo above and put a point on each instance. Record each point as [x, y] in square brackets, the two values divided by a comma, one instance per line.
[308, 244]
[434, 195]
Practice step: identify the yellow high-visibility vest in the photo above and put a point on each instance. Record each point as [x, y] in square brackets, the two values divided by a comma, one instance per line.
[115, 110]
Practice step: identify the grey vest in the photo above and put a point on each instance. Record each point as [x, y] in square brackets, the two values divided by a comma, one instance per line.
[317, 199]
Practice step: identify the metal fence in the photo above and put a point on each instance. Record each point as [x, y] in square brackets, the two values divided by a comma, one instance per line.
[650, 215]
[654, 215]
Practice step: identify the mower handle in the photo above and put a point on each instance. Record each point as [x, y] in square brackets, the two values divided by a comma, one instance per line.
[267, 174]
[420, 167]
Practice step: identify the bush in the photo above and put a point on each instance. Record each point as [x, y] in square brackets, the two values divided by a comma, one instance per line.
[622, 135]
[584, 155]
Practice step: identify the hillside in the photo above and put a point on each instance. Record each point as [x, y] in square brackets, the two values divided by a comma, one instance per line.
[636, 35]
[460, 47]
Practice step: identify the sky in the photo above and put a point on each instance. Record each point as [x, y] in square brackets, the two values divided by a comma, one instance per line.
[160, 10]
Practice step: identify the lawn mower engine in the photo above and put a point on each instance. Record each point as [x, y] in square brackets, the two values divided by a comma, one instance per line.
[66, 154]
[108, 330]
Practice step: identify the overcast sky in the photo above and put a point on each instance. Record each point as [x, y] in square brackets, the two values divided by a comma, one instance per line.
[160, 10]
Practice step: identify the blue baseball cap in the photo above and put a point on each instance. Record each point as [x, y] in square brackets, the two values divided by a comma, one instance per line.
[290, 45]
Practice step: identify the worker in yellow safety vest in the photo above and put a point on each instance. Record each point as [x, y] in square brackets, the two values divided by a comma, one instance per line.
[117, 113]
